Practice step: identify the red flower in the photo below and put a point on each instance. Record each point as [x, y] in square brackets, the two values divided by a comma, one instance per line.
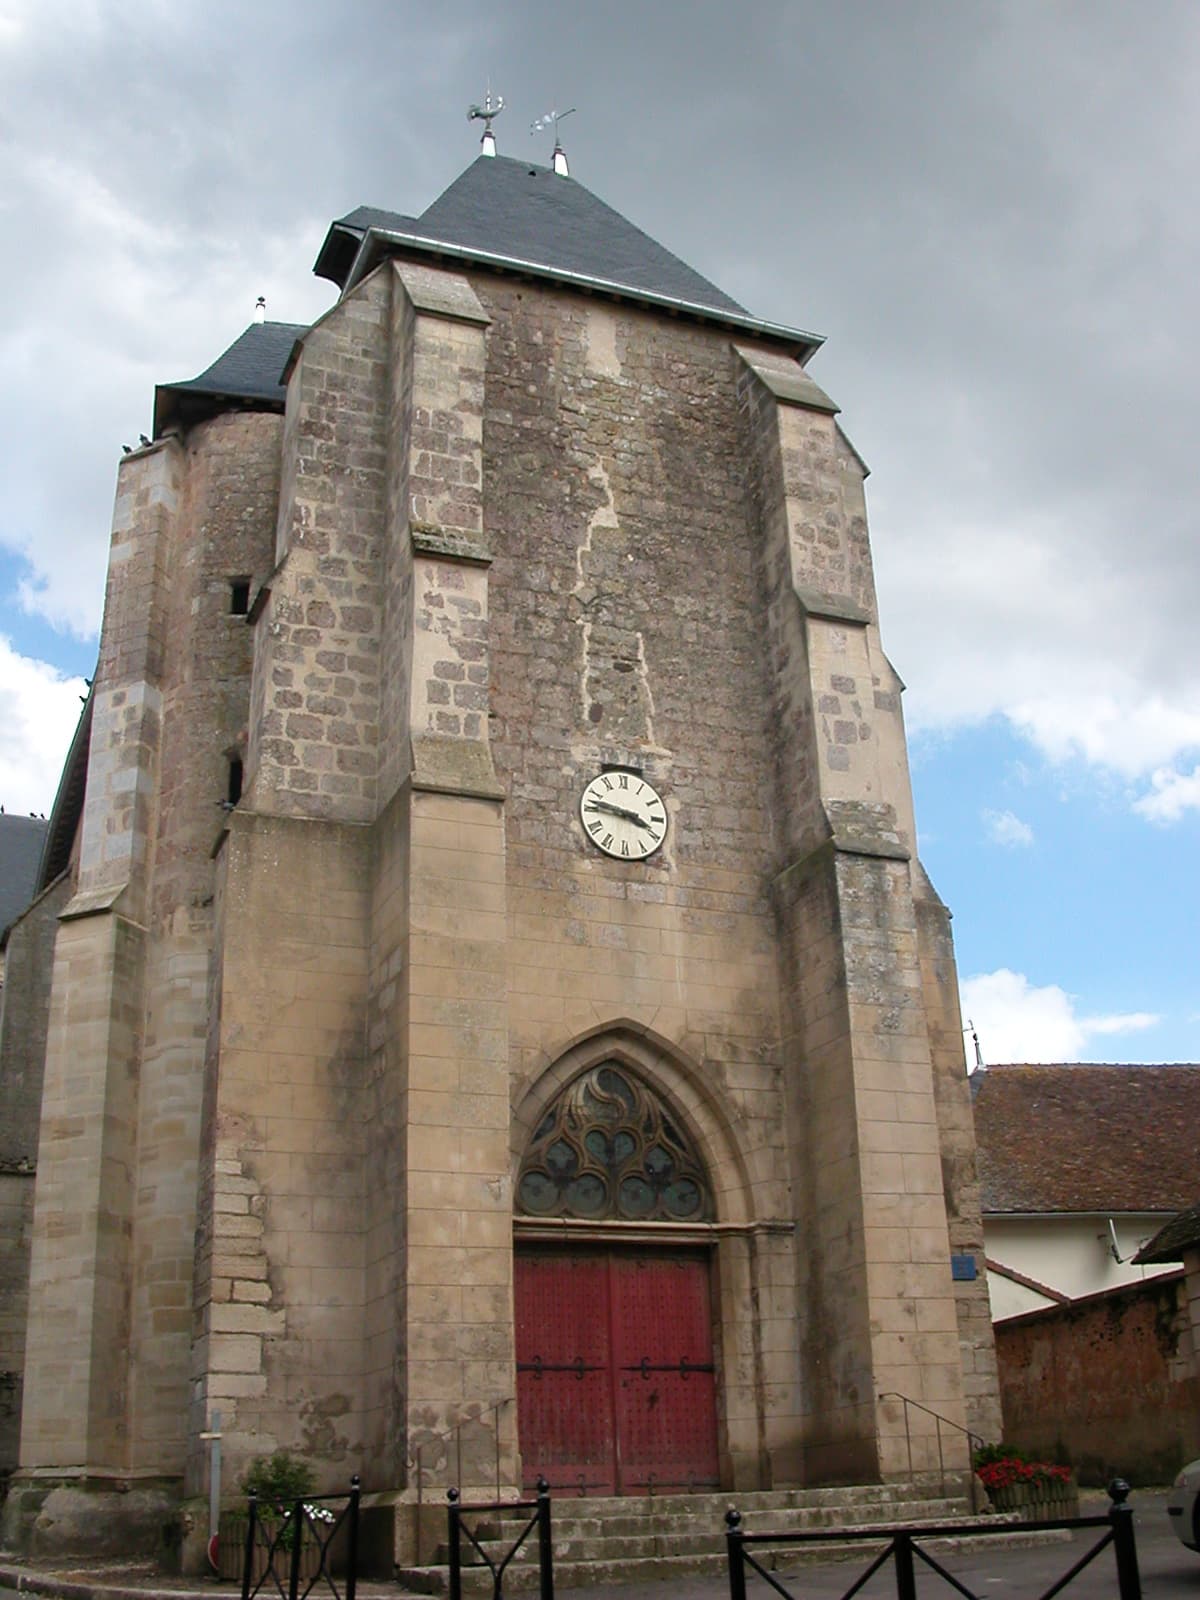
[1010, 1470]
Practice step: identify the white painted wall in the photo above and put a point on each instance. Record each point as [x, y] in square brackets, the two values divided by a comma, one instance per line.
[1067, 1252]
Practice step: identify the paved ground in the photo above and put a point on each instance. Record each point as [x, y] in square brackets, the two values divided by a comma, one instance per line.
[1169, 1572]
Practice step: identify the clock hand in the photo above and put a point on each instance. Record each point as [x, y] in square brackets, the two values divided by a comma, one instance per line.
[617, 811]
[606, 805]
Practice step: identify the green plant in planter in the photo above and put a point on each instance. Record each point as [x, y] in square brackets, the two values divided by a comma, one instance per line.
[987, 1453]
[279, 1481]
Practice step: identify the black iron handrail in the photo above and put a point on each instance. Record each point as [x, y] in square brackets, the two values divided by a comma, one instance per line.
[975, 1441]
[455, 1433]
[903, 1547]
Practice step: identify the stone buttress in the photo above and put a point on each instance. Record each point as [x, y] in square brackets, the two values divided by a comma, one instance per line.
[359, 1226]
[864, 1004]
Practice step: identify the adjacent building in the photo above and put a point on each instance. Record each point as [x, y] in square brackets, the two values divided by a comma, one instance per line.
[1080, 1165]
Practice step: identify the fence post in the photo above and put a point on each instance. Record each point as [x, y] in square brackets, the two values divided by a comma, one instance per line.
[248, 1552]
[1129, 1582]
[352, 1538]
[545, 1543]
[455, 1559]
[298, 1520]
[906, 1578]
[737, 1557]
[420, 1473]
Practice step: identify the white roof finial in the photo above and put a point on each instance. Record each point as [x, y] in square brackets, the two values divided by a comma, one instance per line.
[551, 120]
[484, 114]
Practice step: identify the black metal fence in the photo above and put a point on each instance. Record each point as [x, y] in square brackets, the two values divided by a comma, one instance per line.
[905, 1549]
[295, 1545]
[497, 1565]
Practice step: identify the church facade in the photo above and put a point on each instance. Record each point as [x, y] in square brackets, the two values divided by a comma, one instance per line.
[498, 990]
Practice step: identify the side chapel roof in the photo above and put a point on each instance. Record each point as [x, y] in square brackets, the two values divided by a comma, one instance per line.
[249, 374]
[21, 840]
[1086, 1137]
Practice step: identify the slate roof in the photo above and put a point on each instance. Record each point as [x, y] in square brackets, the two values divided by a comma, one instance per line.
[1168, 1244]
[1084, 1137]
[528, 214]
[67, 809]
[21, 840]
[512, 216]
[509, 215]
[249, 373]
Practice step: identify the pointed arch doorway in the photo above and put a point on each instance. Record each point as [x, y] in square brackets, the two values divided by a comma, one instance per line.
[616, 1376]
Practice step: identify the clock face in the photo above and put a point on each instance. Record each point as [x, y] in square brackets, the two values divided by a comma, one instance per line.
[623, 815]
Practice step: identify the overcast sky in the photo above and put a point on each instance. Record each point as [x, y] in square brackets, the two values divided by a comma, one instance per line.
[989, 211]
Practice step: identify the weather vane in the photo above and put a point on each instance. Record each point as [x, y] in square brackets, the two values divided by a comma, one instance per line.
[551, 120]
[484, 114]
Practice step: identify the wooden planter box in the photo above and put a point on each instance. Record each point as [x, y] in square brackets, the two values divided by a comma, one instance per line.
[1037, 1502]
[231, 1551]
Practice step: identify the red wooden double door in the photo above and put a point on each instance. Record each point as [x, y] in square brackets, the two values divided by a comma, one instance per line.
[615, 1378]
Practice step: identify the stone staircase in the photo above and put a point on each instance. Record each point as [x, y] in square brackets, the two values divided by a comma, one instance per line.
[635, 1540]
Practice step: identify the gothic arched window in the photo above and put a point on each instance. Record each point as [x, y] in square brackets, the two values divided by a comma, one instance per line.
[608, 1147]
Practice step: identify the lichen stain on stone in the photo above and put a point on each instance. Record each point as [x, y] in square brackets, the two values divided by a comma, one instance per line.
[319, 1436]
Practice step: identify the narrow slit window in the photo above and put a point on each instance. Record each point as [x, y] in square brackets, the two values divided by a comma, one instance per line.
[234, 788]
[239, 596]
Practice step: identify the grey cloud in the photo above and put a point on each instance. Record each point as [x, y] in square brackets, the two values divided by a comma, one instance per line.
[983, 207]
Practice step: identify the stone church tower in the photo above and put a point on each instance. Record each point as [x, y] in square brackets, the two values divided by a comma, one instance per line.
[499, 985]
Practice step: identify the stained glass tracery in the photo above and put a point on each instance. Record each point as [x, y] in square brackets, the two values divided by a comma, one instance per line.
[608, 1147]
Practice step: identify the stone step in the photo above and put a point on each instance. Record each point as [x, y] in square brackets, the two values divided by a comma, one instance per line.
[599, 1538]
[748, 1503]
[569, 1574]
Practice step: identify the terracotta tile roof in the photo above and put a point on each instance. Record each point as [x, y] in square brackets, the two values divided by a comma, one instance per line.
[1083, 1137]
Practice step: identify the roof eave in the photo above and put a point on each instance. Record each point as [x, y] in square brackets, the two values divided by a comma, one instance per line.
[185, 403]
[338, 253]
[377, 243]
[1031, 1214]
